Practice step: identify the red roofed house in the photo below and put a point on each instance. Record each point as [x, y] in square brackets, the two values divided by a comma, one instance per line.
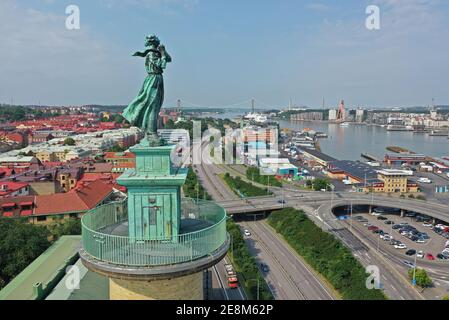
[14, 189]
[72, 204]
[55, 207]
[121, 161]
[17, 207]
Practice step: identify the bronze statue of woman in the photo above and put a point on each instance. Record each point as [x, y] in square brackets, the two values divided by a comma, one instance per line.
[143, 112]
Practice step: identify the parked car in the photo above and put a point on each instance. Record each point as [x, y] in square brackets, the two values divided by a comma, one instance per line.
[396, 226]
[388, 222]
[372, 228]
[421, 240]
[410, 214]
[442, 256]
[410, 252]
[420, 254]
[388, 238]
[430, 256]
[382, 218]
[427, 224]
[247, 233]
[400, 246]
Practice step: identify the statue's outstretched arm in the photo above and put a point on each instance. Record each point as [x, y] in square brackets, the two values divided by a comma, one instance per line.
[142, 54]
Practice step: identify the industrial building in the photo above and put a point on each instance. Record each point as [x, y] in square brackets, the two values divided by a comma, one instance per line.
[364, 178]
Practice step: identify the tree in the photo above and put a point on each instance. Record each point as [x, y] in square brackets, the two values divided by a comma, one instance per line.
[422, 278]
[65, 228]
[320, 184]
[20, 244]
[69, 142]
[421, 197]
[117, 148]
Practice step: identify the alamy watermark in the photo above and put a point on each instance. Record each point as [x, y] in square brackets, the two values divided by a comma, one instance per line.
[373, 280]
[72, 281]
[73, 20]
[211, 147]
[372, 22]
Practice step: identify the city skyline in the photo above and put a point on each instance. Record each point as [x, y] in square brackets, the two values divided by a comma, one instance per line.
[317, 49]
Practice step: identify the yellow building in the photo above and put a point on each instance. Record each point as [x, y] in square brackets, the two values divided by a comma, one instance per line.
[46, 156]
[396, 181]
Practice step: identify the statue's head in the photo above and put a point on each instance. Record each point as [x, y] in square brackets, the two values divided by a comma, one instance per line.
[152, 40]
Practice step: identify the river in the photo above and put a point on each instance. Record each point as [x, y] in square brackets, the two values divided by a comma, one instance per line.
[347, 143]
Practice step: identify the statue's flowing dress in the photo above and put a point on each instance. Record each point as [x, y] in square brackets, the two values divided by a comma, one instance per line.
[144, 110]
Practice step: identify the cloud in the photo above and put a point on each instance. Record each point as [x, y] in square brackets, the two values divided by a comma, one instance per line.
[317, 6]
[42, 60]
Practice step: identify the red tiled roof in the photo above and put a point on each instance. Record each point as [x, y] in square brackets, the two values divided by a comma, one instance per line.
[11, 187]
[119, 155]
[8, 214]
[77, 200]
[25, 204]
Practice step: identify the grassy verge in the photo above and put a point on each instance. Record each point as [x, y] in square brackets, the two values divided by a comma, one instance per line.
[243, 188]
[193, 188]
[246, 266]
[325, 254]
[253, 174]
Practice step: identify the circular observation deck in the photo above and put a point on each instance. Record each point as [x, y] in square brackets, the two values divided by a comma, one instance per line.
[108, 250]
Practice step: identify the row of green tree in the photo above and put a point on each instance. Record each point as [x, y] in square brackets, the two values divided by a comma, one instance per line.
[243, 188]
[22, 242]
[192, 187]
[253, 174]
[325, 254]
[18, 113]
[246, 265]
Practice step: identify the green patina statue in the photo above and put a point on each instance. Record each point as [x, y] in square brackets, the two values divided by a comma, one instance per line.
[143, 112]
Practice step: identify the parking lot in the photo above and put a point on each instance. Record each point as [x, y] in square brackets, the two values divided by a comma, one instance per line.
[428, 189]
[404, 234]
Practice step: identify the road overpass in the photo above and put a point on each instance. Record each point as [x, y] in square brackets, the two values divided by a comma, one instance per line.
[261, 204]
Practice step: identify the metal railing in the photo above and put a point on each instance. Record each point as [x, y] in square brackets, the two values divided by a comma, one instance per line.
[99, 243]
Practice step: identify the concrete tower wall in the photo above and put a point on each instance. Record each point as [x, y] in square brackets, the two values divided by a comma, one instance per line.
[182, 288]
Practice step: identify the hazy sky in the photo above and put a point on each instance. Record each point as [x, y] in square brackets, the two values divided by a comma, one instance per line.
[227, 51]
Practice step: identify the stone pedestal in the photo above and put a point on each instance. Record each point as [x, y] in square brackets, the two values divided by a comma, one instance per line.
[188, 287]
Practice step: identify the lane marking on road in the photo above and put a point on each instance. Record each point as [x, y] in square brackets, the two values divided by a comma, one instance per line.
[221, 282]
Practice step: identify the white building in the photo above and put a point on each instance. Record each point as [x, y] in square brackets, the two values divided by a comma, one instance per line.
[332, 114]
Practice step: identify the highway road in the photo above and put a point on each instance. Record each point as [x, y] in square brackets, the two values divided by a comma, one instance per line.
[293, 281]
[392, 269]
[395, 284]
[220, 285]
[215, 186]
[289, 278]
